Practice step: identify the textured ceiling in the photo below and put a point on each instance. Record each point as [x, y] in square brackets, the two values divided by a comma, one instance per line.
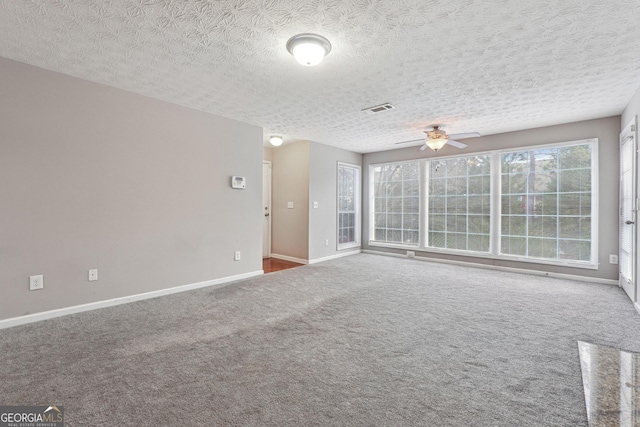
[471, 65]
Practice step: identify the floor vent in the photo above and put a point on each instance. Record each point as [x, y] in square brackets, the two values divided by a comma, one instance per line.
[379, 108]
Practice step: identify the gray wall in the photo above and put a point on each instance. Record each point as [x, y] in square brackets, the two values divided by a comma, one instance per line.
[95, 177]
[290, 178]
[606, 130]
[323, 187]
[304, 172]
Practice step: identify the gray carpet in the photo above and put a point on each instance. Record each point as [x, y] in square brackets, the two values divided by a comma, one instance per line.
[365, 340]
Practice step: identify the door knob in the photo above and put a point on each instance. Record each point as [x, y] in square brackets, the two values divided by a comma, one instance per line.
[629, 222]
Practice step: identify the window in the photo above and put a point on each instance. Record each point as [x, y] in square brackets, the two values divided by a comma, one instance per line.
[460, 203]
[396, 202]
[536, 204]
[546, 203]
[348, 205]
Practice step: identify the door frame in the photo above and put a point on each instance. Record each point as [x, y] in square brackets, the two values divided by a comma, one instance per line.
[269, 210]
[631, 289]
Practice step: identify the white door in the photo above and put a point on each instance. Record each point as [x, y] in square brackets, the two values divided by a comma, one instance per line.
[266, 204]
[628, 210]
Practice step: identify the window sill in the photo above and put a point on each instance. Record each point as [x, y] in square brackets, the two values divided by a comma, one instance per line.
[470, 254]
[348, 246]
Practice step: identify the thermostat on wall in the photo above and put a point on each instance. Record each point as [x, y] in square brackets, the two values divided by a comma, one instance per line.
[238, 182]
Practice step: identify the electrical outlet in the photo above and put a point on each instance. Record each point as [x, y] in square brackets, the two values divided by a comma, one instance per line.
[613, 259]
[326, 242]
[93, 274]
[236, 256]
[289, 205]
[36, 282]
[315, 205]
[411, 254]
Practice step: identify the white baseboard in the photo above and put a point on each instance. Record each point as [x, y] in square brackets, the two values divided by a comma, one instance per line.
[290, 258]
[316, 260]
[330, 257]
[501, 268]
[637, 306]
[36, 317]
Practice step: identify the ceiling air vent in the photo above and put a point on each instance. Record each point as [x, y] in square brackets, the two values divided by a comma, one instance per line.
[378, 108]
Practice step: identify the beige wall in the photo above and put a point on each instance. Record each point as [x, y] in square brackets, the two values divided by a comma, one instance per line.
[606, 130]
[290, 178]
[95, 177]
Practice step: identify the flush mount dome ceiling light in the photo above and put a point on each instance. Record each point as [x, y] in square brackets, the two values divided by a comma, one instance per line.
[276, 141]
[308, 49]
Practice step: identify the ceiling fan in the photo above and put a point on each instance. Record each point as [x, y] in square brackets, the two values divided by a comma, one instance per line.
[437, 138]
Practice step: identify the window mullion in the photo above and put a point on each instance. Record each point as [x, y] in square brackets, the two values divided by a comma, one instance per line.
[495, 182]
[424, 203]
[466, 218]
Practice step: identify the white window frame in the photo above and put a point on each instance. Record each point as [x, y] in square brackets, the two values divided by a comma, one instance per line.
[495, 217]
[593, 262]
[425, 165]
[357, 203]
[422, 213]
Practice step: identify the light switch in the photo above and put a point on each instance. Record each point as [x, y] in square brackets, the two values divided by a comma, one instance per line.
[289, 205]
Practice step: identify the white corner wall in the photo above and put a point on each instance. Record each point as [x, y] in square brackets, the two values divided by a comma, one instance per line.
[632, 110]
[267, 154]
[96, 177]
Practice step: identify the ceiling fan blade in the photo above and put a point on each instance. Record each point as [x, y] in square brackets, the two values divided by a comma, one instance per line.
[464, 135]
[422, 147]
[406, 142]
[457, 144]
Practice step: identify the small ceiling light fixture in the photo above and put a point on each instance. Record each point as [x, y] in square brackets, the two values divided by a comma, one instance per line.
[308, 49]
[276, 141]
[436, 144]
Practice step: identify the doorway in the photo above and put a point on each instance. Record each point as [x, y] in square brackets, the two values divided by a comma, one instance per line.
[628, 210]
[266, 203]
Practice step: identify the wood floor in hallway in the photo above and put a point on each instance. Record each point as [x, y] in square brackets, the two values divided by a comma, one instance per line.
[269, 265]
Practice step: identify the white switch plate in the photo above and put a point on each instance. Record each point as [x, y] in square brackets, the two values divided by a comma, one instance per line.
[236, 256]
[36, 282]
[613, 259]
[93, 274]
[315, 205]
[326, 242]
[289, 205]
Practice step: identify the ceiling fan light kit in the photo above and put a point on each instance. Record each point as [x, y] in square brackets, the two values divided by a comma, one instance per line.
[438, 138]
[308, 48]
[436, 144]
